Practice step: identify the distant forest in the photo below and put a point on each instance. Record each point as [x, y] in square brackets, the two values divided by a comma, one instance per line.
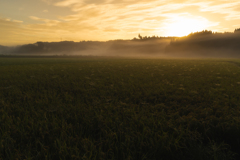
[204, 43]
[141, 45]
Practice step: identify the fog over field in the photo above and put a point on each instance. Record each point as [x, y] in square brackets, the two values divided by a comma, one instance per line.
[149, 47]
[199, 45]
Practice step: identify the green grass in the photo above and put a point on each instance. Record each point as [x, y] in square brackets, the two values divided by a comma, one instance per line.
[103, 108]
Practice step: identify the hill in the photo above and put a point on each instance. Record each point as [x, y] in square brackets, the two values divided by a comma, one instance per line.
[3, 49]
[207, 44]
[199, 44]
[144, 46]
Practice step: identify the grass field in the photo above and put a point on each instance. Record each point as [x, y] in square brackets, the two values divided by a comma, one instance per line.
[106, 108]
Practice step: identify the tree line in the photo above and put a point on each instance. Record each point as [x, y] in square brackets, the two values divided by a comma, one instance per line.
[202, 42]
[207, 43]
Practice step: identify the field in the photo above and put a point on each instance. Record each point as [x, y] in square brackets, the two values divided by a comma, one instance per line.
[108, 108]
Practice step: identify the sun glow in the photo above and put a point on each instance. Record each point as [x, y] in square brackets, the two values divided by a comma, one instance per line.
[182, 26]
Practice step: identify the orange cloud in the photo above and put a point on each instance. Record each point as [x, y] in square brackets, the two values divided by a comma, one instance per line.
[120, 19]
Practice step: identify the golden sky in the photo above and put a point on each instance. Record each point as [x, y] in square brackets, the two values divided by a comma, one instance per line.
[28, 21]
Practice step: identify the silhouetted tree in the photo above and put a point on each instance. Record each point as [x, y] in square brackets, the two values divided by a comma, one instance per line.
[40, 46]
[140, 37]
[202, 33]
[237, 30]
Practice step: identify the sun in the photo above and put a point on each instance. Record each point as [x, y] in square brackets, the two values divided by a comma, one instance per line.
[182, 26]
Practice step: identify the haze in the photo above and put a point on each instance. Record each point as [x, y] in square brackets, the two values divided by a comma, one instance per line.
[27, 21]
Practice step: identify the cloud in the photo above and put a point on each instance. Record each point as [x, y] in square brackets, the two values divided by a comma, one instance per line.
[6, 24]
[48, 25]
[14, 32]
[50, 2]
[47, 21]
[120, 19]
[109, 29]
[9, 31]
[66, 3]
[9, 22]
[147, 15]
[35, 18]
[227, 9]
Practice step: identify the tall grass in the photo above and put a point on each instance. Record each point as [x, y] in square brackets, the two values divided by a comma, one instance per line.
[89, 108]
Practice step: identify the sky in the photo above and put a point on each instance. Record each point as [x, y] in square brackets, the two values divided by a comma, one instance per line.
[29, 21]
